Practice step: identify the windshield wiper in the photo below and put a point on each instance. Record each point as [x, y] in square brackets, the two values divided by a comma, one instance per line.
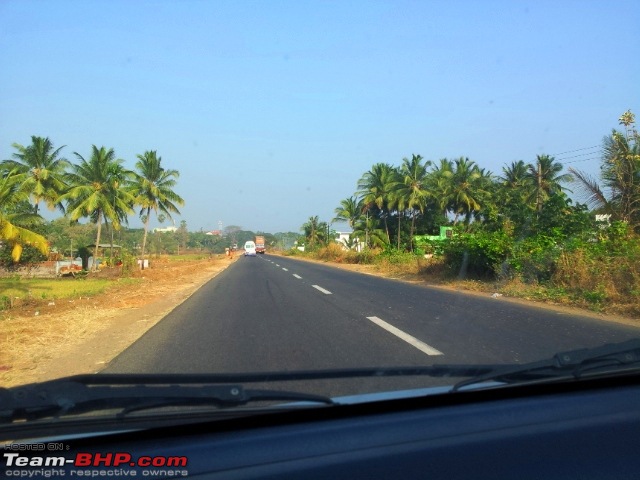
[132, 392]
[72, 396]
[574, 364]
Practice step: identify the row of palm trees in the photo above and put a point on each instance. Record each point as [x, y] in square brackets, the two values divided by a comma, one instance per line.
[98, 187]
[454, 189]
[459, 189]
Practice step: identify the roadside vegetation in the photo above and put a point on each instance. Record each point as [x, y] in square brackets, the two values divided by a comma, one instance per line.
[98, 188]
[517, 232]
[19, 292]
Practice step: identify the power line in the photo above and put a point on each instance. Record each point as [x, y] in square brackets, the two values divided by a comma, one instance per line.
[580, 155]
[582, 160]
[576, 150]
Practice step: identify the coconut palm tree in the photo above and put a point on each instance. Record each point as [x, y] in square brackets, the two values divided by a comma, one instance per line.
[120, 178]
[440, 184]
[467, 180]
[546, 180]
[153, 189]
[399, 199]
[366, 229]
[350, 210]
[414, 188]
[514, 176]
[14, 226]
[314, 231]
[42, 171]
[375, 187]
[620, 175]
[94, 192]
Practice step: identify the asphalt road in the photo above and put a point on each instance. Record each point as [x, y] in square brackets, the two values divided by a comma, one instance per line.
[272, 313]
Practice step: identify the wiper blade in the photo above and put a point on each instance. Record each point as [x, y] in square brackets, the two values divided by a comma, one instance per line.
[130, 392]
[68, 397]
[574, 364]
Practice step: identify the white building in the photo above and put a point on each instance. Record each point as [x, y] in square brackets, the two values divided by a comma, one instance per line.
[165, 229]
[343, 239]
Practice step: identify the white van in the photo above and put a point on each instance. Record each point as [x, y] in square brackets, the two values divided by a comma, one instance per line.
[250, 249]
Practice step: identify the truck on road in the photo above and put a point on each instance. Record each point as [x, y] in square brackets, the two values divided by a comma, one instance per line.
[259, 244]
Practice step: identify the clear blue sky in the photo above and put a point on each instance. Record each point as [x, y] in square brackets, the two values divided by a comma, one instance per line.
[271, 111]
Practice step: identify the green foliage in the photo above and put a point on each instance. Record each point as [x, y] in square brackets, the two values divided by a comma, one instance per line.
[5, 302]
[534, 258]
[395, 256]
[129, 263]
[480, 254]
[29, 258]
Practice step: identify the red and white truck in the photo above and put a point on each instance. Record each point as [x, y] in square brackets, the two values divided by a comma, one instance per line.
[259, 244]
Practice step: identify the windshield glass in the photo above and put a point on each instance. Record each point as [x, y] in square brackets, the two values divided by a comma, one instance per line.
[415, 185]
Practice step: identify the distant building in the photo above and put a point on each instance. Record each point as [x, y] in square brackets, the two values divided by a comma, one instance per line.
[215, 232]
[165, 229]
[343, 238]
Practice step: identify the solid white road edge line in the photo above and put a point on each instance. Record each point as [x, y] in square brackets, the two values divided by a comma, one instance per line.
[423, 347]
[326, 292]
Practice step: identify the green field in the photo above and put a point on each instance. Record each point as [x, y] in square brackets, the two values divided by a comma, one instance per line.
[17, 290]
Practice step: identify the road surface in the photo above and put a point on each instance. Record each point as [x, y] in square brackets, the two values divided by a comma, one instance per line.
[272, 313]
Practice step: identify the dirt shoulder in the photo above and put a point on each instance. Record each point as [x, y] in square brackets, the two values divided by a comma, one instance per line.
[82, 335]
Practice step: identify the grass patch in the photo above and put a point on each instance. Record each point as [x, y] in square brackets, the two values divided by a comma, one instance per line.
[533, 291]
[21, 291]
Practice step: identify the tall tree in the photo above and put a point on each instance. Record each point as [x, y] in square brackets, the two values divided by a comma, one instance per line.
[414, 188]
[440, 184]
[467, 188]
[620, 177]
[42, 171]
[314, 231]
[375, 187]
[366, 229]
[120, 178]
[399, 198]
[546, 180]
[515, 176]
[93, 193]
[14, 226]
[153, 189]
[183, 235]
[350, 210]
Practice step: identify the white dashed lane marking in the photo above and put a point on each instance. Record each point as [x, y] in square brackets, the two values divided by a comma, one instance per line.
[326, 292]
[413, 341]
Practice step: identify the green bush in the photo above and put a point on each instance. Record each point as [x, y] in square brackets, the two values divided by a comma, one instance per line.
[534, 259]
[480, 254]
[395, 257]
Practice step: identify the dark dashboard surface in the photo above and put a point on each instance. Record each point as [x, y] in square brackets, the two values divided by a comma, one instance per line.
[586, 430]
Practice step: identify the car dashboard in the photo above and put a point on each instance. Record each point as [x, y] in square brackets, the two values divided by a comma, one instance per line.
[586, 429]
